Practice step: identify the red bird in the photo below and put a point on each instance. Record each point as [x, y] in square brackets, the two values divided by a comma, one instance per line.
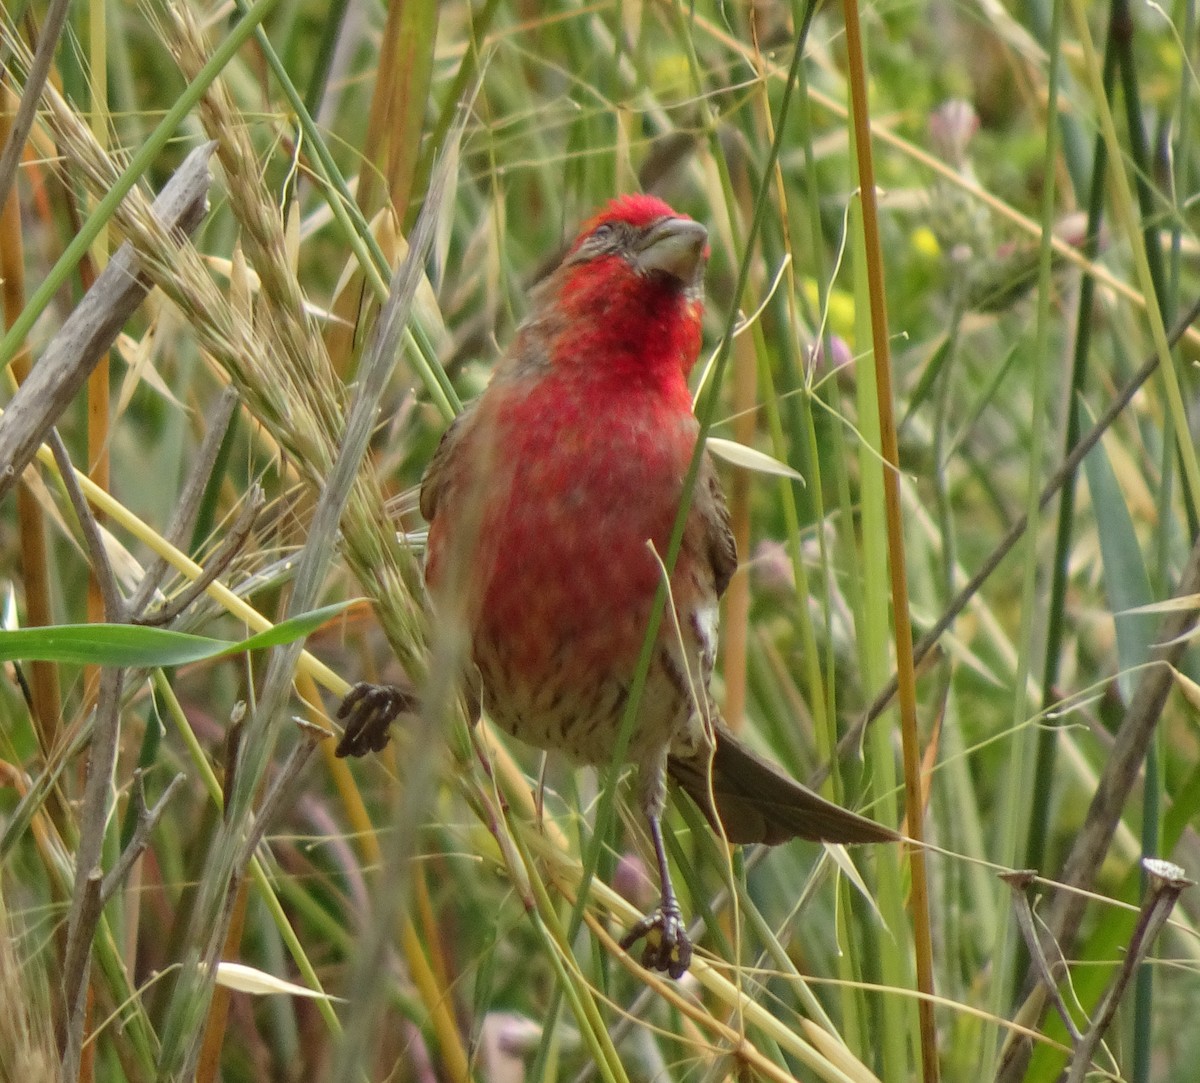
[548, 501]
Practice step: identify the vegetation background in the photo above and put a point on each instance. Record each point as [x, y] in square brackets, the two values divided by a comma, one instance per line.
[1034, 243]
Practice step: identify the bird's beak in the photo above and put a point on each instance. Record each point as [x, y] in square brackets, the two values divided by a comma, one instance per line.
[674, 246]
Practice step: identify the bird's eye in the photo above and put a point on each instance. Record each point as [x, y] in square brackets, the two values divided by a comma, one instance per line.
[603, 232]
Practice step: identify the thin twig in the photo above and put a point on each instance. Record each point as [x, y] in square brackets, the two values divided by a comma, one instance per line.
[218, 561]
[114, 604]
[279, 796]
[1019, 881]
[146, 819]
[233, 747]
[85, 907]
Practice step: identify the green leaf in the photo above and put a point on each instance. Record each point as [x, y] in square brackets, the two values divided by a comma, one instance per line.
[749, 458]
[135, 645]
[1126, 582]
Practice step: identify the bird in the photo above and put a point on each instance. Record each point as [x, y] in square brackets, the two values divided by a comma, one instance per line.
[551, 501]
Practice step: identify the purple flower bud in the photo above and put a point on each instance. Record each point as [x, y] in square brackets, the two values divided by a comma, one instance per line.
[839, 350]
[771, 568]
[632, 882]
[951, 126]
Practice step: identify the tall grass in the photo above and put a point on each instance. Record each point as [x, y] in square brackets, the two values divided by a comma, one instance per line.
[1033, 247]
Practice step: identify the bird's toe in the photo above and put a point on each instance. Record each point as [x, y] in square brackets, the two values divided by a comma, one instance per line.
[668, 947]
[368, 711]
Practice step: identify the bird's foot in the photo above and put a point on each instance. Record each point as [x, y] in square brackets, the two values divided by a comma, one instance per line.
[668, 947]
[368, 711]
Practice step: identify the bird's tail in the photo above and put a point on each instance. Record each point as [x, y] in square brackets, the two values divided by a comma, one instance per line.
[758, 802]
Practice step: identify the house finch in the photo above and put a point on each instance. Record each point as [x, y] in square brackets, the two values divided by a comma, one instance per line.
[545, 500]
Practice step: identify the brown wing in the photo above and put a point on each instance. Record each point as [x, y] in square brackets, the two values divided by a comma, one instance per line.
[718, 538]
[437, 473]
[758, 802]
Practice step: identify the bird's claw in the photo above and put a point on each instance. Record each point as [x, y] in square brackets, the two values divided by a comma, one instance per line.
[368, 710]
[668, 947]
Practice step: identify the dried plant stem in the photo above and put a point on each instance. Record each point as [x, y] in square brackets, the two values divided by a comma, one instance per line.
[901, 616]
[1019, 882]
[1167, 883]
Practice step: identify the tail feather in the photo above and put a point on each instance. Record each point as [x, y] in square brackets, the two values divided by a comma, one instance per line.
[758, 802]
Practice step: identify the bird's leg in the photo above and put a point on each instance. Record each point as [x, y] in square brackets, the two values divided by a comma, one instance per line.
[668, 947]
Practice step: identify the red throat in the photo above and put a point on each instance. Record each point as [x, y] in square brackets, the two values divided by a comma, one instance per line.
[619, 327]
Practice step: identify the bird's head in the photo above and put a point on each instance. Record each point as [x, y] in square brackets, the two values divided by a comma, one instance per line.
[629, 292]
[642, 236]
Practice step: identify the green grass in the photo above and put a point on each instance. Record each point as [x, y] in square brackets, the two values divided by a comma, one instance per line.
[417, 891]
